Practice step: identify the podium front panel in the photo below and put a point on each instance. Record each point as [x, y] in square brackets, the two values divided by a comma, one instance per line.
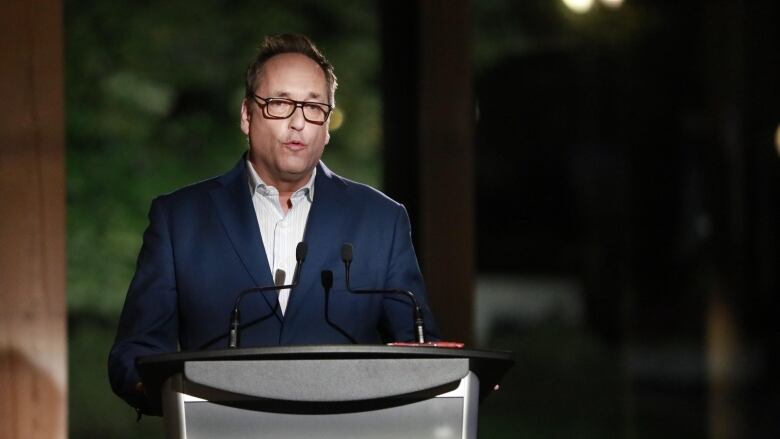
[451, 414]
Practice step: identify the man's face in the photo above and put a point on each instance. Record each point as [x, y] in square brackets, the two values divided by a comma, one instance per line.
[284, 151]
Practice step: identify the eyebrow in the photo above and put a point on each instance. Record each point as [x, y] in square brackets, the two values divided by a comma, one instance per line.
[284, 94]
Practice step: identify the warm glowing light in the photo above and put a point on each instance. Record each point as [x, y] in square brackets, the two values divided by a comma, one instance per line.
[579, 6]
[336, 119]
[614, 4]
[777, 140]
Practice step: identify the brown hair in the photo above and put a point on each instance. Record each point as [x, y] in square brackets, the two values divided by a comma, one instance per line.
[273, 45]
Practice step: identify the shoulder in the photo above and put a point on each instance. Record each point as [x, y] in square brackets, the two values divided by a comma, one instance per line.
[352, 191]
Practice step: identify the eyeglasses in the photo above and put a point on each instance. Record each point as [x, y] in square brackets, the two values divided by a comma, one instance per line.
[282, 108]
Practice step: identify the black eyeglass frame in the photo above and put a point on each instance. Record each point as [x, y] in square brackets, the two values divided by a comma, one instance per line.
[296, 105]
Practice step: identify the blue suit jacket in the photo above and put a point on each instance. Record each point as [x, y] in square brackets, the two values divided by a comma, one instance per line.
[203, 246]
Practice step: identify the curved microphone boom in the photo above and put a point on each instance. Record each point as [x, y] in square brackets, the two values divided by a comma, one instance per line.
[326, 277]
[235, 315]
[419, 324]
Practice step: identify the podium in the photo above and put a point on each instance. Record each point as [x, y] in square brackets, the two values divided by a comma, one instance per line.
[325, 391]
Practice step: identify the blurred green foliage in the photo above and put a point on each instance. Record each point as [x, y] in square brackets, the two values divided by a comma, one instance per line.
[153, 93]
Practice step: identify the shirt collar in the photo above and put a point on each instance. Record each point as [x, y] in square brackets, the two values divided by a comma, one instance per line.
[257, 185]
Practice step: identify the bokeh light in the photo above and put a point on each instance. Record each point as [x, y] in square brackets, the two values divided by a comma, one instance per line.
[614, 4]
[777, 139]
[579, 6]
[336, 119]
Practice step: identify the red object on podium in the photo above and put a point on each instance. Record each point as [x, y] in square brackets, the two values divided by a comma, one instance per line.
[433, 344]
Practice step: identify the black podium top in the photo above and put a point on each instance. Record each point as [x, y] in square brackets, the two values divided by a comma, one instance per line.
[489, 366]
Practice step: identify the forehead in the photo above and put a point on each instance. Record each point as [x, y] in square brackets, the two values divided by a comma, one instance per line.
[292, 75]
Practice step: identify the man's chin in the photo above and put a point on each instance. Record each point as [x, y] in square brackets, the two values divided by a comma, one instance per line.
[296, 173]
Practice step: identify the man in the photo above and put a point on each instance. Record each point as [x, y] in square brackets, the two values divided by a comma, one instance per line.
[208, 242]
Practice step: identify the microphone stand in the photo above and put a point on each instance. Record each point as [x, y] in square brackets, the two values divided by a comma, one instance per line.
[235, 316]
[327, 283]
[419, 324]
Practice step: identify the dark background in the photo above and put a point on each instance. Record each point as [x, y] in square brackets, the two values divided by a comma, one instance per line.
[625, 207]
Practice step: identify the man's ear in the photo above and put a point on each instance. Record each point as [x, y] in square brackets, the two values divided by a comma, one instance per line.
[246, 117]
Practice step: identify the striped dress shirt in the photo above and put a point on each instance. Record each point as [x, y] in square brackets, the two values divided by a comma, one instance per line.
[281, 232]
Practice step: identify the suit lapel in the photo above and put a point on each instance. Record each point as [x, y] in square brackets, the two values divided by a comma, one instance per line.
[326, 218]
[234, 207]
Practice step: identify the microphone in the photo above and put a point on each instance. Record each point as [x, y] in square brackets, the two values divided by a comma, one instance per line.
[280, 276]
[235, 315]
[419, 327]
[326, 276]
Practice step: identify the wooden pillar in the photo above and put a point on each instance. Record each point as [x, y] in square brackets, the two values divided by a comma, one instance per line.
[446, 162]
[32, 222]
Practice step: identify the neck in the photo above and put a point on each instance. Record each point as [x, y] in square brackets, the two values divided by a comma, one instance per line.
[285, 184]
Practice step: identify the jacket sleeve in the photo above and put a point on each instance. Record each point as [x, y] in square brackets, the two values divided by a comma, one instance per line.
[403, 273]
[149, 322]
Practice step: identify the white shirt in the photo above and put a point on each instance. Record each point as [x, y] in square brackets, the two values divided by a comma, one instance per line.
[281, 232]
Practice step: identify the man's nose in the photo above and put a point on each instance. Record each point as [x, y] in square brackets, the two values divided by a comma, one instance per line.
[297, 121]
